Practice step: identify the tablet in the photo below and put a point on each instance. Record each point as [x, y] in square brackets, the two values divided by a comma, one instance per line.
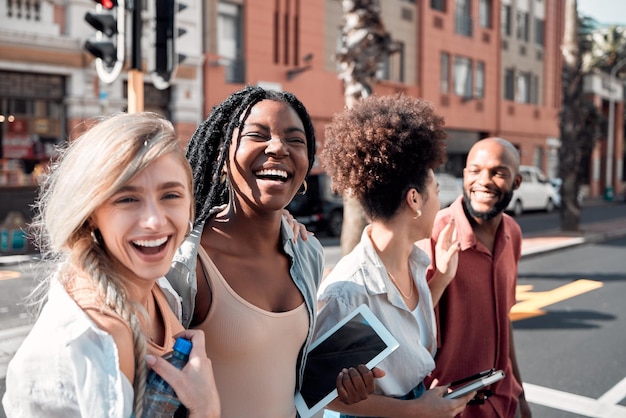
[484, 379]
[359, 338]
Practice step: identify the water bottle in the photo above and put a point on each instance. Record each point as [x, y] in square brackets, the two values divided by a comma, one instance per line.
[160, 400]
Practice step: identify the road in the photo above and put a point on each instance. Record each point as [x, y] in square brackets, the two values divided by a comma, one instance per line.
[570, 334]
[571, 346]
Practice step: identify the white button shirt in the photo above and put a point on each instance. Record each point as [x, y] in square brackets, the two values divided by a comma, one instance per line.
[361, 278]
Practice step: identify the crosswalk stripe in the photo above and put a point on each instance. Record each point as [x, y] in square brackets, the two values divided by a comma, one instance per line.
[577, 404]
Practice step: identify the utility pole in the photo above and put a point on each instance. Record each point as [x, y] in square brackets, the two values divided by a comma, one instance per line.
[610, 141]
[135, 74]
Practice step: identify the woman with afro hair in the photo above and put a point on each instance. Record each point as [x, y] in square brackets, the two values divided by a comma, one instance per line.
[383, 151]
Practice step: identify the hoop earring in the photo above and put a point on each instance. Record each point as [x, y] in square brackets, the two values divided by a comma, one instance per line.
[96, 236]
[190, 228]
[306, 187]
[418, 213]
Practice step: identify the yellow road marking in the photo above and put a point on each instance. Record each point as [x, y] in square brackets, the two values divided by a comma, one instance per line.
[530, 303]
[6, 275]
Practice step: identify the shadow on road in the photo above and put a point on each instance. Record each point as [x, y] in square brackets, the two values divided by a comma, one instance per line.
[565, 320]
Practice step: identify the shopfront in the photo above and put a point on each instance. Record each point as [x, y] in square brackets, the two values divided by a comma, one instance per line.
[32, 123]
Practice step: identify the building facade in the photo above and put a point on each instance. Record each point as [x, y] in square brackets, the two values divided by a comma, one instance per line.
[490, 67]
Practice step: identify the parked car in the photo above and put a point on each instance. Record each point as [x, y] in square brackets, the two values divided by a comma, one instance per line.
[558, 183]
[449, 188]
[535, 193]
[319, 208]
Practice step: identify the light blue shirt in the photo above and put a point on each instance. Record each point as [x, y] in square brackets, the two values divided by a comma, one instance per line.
[361, 278]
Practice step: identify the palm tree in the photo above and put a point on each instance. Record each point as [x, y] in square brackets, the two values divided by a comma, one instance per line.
[364, 46]
[579, 120]
[607, 46]
[586, 49]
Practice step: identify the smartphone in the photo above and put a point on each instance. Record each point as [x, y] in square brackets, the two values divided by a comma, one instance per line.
[474, 382]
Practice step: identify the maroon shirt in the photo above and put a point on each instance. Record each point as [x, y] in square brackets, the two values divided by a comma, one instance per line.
[473, 313]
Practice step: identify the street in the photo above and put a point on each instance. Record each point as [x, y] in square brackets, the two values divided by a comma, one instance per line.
[570, 320]
[571, 351]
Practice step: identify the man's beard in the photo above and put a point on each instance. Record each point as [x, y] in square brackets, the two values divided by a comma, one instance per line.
[498, 208]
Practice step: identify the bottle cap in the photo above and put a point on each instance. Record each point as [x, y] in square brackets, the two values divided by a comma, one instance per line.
[182, 345]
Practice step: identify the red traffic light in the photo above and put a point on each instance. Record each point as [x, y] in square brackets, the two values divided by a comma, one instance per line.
[107, 4]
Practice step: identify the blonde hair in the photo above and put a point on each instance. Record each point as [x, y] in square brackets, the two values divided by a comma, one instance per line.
[89, 171]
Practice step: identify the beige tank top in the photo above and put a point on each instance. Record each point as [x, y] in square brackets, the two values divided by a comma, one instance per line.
[254, 352]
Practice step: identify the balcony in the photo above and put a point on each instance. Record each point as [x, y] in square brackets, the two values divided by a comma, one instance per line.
[30, 16]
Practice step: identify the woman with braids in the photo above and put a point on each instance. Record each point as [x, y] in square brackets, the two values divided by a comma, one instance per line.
[244, 280]
[384, 150]
[111, 214]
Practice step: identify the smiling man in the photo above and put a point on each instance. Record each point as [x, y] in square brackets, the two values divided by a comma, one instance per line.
[475, 332]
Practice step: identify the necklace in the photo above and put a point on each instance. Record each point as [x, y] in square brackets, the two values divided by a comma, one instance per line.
[398, 286]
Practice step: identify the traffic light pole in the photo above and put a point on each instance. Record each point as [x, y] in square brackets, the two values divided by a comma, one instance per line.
[135, 74]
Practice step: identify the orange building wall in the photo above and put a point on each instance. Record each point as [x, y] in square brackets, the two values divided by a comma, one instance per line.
[475, 114]
[529, 125]
[322, 93]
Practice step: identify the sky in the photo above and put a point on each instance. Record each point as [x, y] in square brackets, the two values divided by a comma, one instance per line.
[604, 11]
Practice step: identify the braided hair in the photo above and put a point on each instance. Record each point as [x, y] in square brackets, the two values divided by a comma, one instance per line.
[207, 150]
[87, 173]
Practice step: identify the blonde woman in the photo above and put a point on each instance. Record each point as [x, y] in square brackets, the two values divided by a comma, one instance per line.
[111, 214]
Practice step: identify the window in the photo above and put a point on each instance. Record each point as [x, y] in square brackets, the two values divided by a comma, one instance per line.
[479, 86]
[539, 31]
[538, 157]
[463, 77]
[444, 72]
[509, 84]
[505, 23]
[522, 94]
[229, 41]
[522, 25]
[438, 5]
[463, 17]
[484, 13]
[392, 67]
[534, 92]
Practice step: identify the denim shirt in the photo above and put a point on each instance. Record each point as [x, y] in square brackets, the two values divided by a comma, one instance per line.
[306, 270]
[66, 367]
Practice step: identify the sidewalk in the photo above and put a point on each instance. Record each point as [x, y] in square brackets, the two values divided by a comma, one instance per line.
[556, 239]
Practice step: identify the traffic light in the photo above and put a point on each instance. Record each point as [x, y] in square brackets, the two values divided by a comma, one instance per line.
[166, 32]
[109, 45]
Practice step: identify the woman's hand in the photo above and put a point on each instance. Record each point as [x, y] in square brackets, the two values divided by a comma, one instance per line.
[297, 228]
[194, 384]
[356, 384]
[447, 252]
[432, 404]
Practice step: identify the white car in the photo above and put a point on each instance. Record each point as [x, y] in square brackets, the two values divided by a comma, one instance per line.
[449, 188]
[535, 193]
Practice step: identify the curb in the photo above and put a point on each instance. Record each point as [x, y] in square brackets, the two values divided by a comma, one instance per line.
[8, 260]
[560, 242]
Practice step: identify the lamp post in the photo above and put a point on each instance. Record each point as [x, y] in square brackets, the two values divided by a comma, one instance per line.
[608, 192]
